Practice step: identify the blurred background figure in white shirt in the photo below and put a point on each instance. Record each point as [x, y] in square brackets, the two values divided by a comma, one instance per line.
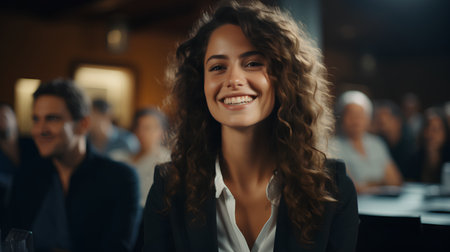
[367, 156]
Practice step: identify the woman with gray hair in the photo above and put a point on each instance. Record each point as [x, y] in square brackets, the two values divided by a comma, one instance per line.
[368, 161]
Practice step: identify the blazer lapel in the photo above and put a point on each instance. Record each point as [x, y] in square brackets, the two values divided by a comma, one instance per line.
[285, 239]
[203, 236]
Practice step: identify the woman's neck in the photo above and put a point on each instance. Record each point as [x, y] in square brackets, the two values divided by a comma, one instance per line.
[246, 157]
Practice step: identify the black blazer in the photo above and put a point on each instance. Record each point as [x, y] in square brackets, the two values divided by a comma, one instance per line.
[174, 230]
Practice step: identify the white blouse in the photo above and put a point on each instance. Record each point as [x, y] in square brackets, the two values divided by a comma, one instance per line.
[229, 237]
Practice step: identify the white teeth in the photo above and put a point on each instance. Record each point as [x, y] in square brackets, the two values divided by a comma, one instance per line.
[237, 100]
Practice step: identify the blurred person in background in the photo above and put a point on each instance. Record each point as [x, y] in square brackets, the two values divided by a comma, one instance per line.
[434, 148]
[150, 126]
[366, 155]
[105, 136]
[447, 112]
[14, 152]
[9, 149]
[389, 124]
[72, 198]
[412, 114]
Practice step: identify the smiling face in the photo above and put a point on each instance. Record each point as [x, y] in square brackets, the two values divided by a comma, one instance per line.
[54, 130]
[237, 86]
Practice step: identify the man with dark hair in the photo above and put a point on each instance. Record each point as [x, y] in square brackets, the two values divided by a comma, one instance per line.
[73, 199]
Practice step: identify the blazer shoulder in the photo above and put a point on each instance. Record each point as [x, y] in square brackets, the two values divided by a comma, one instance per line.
[336, 167]
[162, 171]
[344, 221]
[337, 170]
[160, 177]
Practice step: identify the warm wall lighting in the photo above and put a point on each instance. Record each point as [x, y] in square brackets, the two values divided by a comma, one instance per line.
[24, 90]
[114, 84]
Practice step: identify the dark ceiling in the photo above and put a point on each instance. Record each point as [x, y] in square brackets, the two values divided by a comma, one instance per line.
[388, 28]
[137, 14]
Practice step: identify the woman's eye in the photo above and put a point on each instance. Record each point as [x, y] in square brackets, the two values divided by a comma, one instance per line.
[216, 68]
[254, 64]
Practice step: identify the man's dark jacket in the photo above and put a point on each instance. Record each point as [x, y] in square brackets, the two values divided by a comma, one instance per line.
[102, 203]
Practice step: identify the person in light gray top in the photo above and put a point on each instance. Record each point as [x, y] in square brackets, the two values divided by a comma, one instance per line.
[150, 126]
[364, 168]
[367, 158]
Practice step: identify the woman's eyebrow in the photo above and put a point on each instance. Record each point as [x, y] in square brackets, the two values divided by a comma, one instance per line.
[250, 53]
[216, 56]
[243, 55]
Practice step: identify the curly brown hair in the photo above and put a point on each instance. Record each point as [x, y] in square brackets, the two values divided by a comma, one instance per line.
[301, 120]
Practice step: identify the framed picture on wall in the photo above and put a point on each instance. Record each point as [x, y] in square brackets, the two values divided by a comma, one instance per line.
[115, 84]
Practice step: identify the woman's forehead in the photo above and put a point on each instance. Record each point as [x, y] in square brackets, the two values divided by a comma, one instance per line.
[227, 39]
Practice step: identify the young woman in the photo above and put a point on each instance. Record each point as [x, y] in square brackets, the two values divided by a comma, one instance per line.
[434, 148]
[248, 170]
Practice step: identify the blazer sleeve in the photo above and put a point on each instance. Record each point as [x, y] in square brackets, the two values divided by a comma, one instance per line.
[157, 228]
[344, 227]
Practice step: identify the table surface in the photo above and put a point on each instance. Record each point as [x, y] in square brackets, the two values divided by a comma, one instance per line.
[412, 199]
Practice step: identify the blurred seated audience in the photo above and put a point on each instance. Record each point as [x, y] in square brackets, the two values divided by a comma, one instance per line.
[412, 114]
[72, 198]
[150, 126]
[434, 148]
[388, 123]
[105, 136]
[447, 112]
[367, 157]
[14, 151]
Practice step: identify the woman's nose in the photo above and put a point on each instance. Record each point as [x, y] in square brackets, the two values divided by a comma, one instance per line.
[236, 77]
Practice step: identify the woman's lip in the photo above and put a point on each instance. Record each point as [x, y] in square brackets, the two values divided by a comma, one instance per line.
[237, 106]
[237, 95]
